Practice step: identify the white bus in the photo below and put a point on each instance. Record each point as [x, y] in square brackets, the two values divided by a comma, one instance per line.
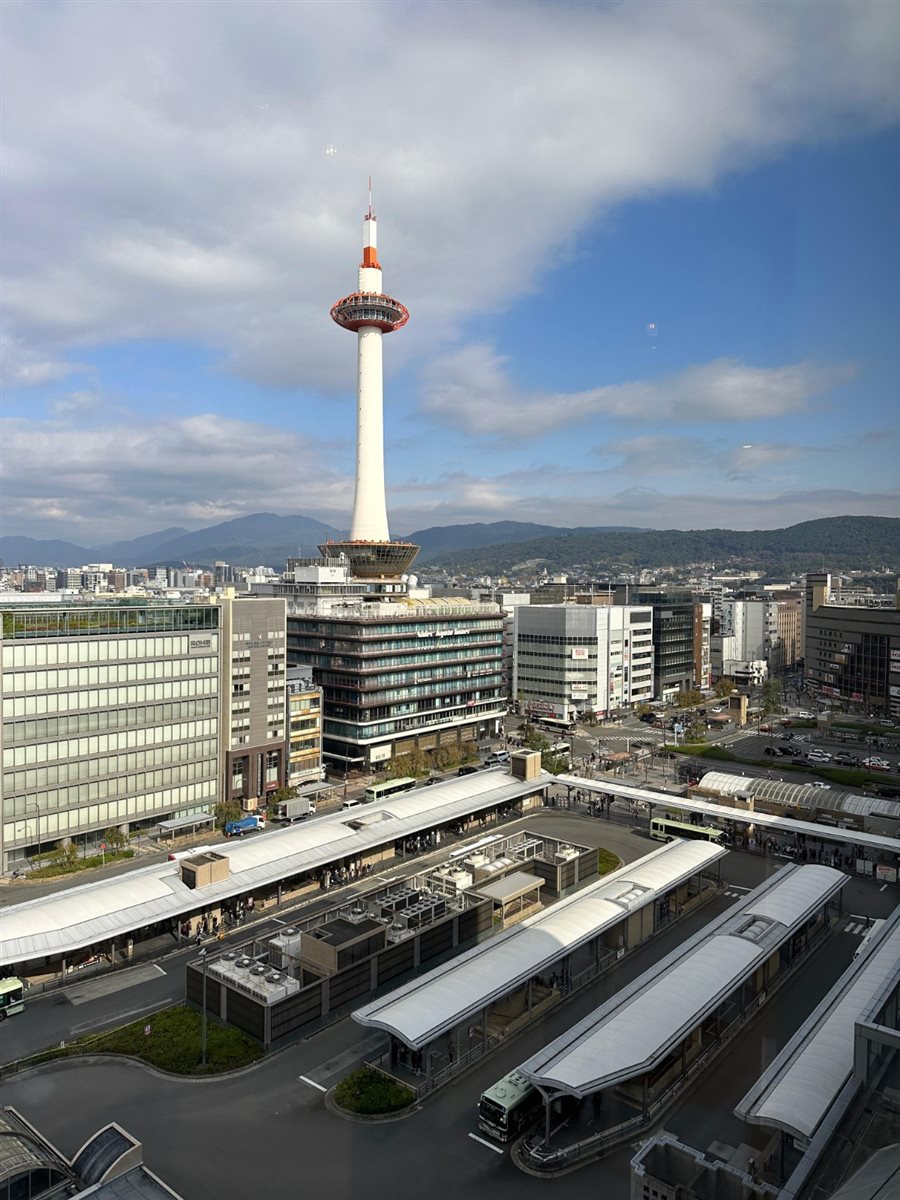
[12, 997]
[390, 787]
[511, 1105]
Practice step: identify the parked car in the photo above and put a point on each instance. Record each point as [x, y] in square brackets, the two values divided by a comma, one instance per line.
[467, 771]
[496, 757]
[847, 760]
[820, 784]
[819, 756]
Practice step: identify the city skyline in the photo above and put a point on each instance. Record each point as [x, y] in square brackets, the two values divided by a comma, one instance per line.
[647, 252]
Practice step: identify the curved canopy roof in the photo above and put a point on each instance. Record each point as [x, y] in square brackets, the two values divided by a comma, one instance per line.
[803, 1082]
[645, 1021]
[66, 921]
[421, 1010]
[797, 795]
[785, 824]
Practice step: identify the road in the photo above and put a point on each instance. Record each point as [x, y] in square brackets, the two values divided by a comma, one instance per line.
[289, 1139]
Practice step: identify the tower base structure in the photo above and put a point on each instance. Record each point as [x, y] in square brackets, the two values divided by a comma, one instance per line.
[373, 560]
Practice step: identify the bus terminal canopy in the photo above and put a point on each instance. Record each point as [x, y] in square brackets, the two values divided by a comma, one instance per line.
[800, 1087]
[722, 812]
[80, 916]
[179, 824]
[647, 1019]
[443, 998]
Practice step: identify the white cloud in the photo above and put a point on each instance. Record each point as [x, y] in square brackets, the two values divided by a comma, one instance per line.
[20, 365]
[166, 176]
[471, 389]
[131, 476]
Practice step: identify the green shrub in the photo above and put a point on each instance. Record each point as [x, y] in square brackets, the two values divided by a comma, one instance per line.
[371, 1093]
[608, 861]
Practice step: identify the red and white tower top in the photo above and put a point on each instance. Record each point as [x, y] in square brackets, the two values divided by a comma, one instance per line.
[369, 306]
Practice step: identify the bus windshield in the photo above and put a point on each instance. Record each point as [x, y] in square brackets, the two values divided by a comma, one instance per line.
[12, 997]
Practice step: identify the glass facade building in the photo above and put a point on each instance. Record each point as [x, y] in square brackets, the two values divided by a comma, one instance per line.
[110, 718]
[413, 674]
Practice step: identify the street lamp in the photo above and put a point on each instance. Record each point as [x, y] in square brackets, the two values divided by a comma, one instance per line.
[203, 955]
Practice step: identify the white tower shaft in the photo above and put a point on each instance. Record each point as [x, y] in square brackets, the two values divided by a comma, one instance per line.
[370, 521]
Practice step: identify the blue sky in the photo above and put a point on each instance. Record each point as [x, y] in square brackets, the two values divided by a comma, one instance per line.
[175, 233]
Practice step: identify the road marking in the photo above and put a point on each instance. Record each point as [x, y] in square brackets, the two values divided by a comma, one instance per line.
[883, 886]
[116, 1019]
[278, 921]
[482, 1142]
[312, 1083]
[82, 991]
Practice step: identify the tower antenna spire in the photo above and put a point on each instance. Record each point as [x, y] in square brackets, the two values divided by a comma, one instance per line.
[371, 209]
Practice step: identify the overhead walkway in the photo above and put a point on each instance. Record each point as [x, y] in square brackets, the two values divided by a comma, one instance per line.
[838, 1050]
[876, 843]
[57, 926]
[633, 1053]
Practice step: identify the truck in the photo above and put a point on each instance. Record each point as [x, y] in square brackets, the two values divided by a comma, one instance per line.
[297, 809]
[245, 825]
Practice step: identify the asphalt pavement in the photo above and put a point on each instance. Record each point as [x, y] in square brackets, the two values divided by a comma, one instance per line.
[287, 1142]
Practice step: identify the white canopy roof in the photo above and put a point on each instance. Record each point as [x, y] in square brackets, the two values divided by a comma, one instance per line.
[421, 1010]
[827, 833]
[803, 1082]
[649, 1018]
[69, 920]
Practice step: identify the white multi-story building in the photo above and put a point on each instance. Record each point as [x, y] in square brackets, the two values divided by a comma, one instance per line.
[754, 626]
[571, 660]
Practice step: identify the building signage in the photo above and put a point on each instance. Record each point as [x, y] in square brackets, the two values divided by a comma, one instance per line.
[885, 873]
[200, 643]
[579, 690]
[580, 652]
[895, 660]
[380, 753]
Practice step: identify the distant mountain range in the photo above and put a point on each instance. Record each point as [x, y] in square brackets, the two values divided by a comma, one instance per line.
[835, 543]
[492, 549]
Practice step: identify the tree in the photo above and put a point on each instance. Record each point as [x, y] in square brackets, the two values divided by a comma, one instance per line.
[227, 810]
[689, 698]
[724, 688]
[115, 839]
[280, 795]
[772, 696]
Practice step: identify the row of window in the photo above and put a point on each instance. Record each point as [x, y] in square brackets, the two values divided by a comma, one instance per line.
[72, 677]
[479, 711]
[112, 764]
[394, 695]
[107, 718]
[36, 706]
[335, 631]
[425, 659]
[21, 829]
[51, 654]
[120, 785]
[106, 743]
[75, 623]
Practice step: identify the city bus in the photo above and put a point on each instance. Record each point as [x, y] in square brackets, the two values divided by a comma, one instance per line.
[390, 787]
[12, 997]
[664, 829]
[509, 1107]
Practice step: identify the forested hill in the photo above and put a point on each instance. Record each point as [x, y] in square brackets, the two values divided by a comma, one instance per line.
[835, 543]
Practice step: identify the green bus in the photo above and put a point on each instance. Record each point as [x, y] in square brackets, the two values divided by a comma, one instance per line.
[12, 997]
[390, 787]
[510, 1106]
[664, 829]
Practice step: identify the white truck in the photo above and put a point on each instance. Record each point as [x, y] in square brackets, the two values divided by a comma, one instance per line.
[298, 809]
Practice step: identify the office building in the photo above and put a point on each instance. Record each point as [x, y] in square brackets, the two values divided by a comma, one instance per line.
[253, 723]
[578, 660]
[852, 652]
[110, 719]
[399, 676]
[673, 635]
[304, 723]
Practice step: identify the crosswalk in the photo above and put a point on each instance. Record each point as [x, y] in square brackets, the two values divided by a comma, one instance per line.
[857, 928]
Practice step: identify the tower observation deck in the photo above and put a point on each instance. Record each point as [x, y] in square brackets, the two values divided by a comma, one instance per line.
[370, 314]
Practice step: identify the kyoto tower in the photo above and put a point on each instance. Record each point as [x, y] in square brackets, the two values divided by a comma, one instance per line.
[370, 314]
